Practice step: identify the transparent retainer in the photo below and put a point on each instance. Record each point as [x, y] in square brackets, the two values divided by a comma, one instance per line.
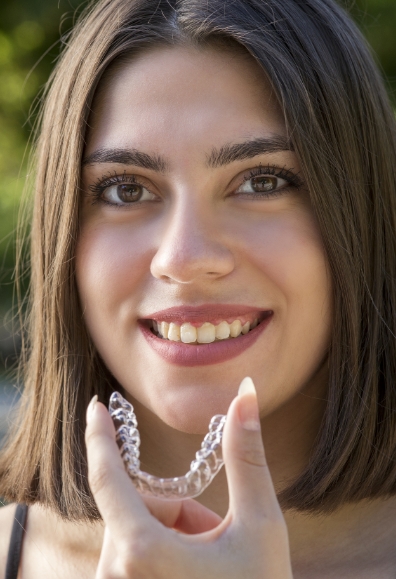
[207, 463]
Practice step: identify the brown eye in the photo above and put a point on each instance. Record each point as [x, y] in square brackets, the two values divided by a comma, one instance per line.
[129, 192]
[263, 183]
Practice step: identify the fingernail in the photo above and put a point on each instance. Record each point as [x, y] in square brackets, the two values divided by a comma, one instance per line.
[248, 408]
[91, 407]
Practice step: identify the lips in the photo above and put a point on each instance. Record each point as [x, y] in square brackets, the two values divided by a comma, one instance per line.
[183, 354]
[197, 315]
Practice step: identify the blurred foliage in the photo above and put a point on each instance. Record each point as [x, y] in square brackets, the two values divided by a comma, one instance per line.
[29, 46]
[377, 20]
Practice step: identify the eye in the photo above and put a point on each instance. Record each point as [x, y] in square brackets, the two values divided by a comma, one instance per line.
[126, 193]
[262, 184]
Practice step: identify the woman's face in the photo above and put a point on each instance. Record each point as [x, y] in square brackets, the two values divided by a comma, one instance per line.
[196, 222]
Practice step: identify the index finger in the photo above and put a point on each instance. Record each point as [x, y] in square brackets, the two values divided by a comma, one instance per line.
[119, 503]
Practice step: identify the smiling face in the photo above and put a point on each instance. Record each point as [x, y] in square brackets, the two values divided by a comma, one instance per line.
[199, 260]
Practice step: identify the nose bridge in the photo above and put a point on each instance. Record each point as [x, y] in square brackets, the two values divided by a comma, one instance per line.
[190, 247]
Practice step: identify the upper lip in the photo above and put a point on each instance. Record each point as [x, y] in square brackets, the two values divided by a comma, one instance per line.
[203, 313]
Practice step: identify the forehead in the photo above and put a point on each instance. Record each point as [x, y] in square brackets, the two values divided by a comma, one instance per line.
[178, 97]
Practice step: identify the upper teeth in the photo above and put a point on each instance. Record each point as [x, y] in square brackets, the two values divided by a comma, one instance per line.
[205, 334]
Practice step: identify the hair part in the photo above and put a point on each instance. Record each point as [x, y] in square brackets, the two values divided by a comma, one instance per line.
[342, 128]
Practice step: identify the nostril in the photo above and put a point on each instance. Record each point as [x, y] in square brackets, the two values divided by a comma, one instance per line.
[190, 259]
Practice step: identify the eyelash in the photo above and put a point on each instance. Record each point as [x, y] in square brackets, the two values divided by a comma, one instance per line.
[106, 181]
[288, 175]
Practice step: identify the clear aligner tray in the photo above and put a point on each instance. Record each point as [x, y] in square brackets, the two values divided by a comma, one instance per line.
[207, 463]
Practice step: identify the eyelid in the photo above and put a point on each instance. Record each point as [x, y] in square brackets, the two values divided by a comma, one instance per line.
[292, 177]
[118, 178]
[109, 180]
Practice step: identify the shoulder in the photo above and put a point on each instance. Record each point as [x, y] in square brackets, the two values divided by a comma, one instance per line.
[6, 520]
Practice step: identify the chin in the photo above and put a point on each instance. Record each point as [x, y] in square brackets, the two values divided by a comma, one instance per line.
[190, 411]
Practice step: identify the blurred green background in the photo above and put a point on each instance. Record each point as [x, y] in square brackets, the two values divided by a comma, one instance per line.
[30, 33]
[29, 45]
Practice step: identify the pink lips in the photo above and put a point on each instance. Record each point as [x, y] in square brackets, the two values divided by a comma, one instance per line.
[204, 354]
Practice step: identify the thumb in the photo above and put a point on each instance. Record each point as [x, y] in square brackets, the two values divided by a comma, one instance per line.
[251, 490]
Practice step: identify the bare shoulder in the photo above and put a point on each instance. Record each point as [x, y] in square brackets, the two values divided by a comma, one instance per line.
[6, 519]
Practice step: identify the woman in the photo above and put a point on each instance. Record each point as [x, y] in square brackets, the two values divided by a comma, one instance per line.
[205, 167]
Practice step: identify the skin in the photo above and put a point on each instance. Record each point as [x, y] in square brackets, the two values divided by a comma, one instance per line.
[195, 240]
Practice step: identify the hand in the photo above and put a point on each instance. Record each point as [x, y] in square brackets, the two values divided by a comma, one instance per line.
[140, 538]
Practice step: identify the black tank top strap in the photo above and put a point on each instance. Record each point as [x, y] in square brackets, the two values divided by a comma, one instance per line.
[15, 548]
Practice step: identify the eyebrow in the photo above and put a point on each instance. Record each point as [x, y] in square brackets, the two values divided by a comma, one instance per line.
[218, 157]
[127, 157]
[248, 149]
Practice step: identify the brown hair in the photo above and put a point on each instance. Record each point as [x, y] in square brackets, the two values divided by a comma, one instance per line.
[343, 131]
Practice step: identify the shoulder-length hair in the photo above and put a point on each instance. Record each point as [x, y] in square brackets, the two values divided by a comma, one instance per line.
[342, 128]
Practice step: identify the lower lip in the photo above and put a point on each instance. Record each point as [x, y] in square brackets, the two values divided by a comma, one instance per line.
[204, 354]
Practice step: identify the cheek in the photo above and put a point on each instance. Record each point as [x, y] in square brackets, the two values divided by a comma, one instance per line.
[288, 250]
[111, 262]
[297, 262]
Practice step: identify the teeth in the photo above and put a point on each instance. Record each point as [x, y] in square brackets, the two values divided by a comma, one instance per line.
[235, 329]
[205, 334]
[188, 333]
[174, 332]
[222, 331]
[164, 329]
[245, 328]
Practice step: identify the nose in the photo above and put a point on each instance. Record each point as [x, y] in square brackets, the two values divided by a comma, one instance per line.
[192, 248]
